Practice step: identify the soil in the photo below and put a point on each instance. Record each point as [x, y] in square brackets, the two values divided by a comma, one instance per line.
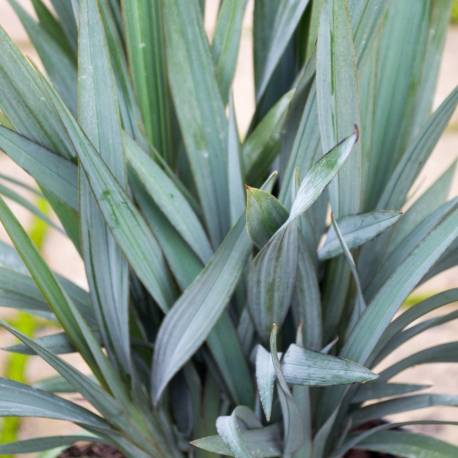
[91, 451]
[365, 454]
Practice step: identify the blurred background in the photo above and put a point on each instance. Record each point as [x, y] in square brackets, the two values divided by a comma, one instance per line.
[64, 259]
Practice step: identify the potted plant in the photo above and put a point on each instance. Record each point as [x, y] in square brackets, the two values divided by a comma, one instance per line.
[241, 290]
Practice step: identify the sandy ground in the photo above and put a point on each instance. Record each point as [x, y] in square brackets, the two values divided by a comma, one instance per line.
[64, 259]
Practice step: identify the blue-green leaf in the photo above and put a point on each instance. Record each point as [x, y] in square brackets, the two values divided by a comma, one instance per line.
[357, 230]
[193, 316]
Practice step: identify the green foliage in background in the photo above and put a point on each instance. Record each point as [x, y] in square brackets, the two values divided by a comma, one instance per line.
[240, 292]
[16, 364]
[454, 15]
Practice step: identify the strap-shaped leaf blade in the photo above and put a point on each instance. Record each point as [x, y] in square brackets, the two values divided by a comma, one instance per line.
[287, 17]
[444, 353]
[413, 313]
[408, 245]
[293, 426]
[25, 100]
[14, 196]
[42, 444]
[66, 14]
[338, 101]
[200, 110]
[433, 197]
[265, 379]
[415, 330]
[169, 199]
[305, 367]
[63, 307]
[263, 144]
[223, 341]
[357, 230]
[411, 445]
[416, 155]
[226, 42]
[98, 115]
[356, 438]
[377, 390]
[144, 33]
[271, 280]
[403, 404]
[307, 300]
[388, 299]
[195, 313]
[321, 174]
[23, 401]
[59, 66]
[234, 166]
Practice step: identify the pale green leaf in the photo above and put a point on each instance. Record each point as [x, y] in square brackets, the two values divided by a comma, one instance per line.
[42, 443]
[60, 67]
[265, 442]
[306, 367]
[357, 230]
[404, 404]
[20, 400]
[307, 301]
[320, 175]
[271, 280]
[265, 379]
[376, 390]
[193, 316]
[169, 199]
[338, 101]
[200, 110]
[408, 445]
[226, 42]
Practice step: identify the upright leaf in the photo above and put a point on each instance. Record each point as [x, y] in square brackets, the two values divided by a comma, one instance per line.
[287, 16]
[271, 280]
[408, 168]
[321, 174]
[191, 319]
[263, 144]
[98, 115]
[144, 32]
[338, 101]
[169, 199]
[59, 66]
[65, 12]
[226, 42]
[307, 301]
[200, 110]
[234, 165]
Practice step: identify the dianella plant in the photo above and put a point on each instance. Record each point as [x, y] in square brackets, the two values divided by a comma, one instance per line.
[242, 287]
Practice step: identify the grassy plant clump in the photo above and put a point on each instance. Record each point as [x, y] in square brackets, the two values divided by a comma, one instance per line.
[241, 293]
